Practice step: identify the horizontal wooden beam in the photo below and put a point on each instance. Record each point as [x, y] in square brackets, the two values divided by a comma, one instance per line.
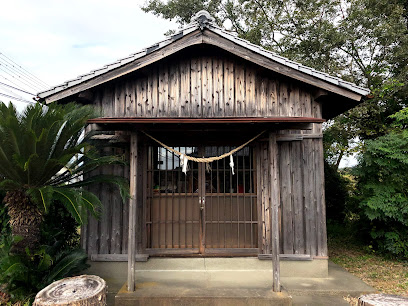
[297, 137]
[112, 138]
[135, 120]
[118, 257]
[286, 257]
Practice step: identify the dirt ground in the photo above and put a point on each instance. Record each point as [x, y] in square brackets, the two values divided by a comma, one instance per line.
[384, 274]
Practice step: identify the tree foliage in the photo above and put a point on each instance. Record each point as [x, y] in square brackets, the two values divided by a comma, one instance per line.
[383, 185]
[362, 41]
[45, 157]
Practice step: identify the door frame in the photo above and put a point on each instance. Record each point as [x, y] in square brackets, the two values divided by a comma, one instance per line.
[201, 250]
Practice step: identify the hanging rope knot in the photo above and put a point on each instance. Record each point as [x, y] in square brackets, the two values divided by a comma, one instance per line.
[208, 167]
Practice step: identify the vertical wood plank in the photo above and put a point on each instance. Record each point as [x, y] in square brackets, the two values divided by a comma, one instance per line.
[286, 197]
[218, 87]
[185, 91]
[163, 91]
[149, 95]
[297, 184]
[229, 88]
[207, 88]
[320, 200]
[272, 98]
[139, 98]
[132, 211]
[259, 204]
[129, 100]
[196, 87]
[116, 219]
[107, 101]
[261, 105]
[295, 98]
[155, 92]
[240, 90]
[266, 199]
[250, 91]
[310, 218]
[275, 200]
[105, 220]
[174, 86]
[143, 93]
[283, 100]
[125, 215]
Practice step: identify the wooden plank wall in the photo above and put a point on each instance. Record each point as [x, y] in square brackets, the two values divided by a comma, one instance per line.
[109, 234]
[205, 86]
[302, 208]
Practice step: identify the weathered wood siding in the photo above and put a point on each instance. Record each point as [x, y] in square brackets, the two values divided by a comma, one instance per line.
[302, 219]
[205, 86]
[108, 234]
[302, 206]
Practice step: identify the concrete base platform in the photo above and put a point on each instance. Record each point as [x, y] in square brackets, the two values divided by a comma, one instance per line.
[222, 281]
[339, 282]
[153, 293]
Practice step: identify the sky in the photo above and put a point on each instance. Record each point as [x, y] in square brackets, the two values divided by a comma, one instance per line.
[58, 40]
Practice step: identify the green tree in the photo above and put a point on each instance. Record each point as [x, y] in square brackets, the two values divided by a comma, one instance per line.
[383, 185]
[362, 41]
[45, 157]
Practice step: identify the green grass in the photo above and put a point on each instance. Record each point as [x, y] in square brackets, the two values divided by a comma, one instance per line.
[387, 275]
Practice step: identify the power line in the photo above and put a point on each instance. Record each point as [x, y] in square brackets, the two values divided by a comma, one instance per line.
[29, 73]
[17, 89]
[21, 75]
[17, 76]
[18, 80]
[15, 98]
[8, 80]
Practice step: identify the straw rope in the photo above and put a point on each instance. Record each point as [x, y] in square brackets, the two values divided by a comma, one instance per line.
[204, 159]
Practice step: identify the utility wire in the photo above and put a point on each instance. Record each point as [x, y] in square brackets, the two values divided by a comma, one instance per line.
[18, 80]
[29, 73]
[15, 98]
[8, 80]
[3, 84]
[10, 71]
[21, 75]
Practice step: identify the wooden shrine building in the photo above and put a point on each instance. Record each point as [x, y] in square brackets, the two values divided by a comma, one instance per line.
[204, 91]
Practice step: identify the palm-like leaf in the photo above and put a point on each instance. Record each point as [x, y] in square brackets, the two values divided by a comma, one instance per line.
[44, 152]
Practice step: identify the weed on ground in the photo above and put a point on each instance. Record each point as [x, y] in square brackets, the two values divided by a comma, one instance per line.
[387, 275]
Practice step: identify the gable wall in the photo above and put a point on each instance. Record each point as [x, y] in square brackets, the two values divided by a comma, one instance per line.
[206, 82]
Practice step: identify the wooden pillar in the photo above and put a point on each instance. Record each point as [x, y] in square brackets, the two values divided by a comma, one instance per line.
[274, 206]
[132, 212]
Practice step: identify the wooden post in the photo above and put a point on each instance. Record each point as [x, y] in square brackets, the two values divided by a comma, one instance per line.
[132, 213]
[274, 206]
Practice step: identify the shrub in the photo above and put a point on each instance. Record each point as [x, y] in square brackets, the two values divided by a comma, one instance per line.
[23, 275]
[383, 185]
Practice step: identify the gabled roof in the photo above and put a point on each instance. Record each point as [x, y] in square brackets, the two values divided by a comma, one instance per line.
[203, 23]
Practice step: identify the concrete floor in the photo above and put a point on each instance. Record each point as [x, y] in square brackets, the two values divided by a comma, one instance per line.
[226, 277]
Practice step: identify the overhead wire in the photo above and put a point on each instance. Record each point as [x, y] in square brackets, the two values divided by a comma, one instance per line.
[43, 84]
[18, 77]
[15, 98]
[21, 76]
[3, 84]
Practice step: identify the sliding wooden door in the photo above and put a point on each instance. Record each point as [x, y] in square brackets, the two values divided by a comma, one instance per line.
[208, 211]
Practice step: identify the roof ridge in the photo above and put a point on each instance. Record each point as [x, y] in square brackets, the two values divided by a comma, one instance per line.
[202, 20]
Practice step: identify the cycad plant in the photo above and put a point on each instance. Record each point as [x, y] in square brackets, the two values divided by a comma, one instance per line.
[46, 157]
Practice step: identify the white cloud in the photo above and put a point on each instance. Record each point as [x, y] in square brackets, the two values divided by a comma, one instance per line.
[59, 40]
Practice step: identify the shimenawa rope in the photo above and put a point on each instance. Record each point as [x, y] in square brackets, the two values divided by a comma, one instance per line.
[184, 158]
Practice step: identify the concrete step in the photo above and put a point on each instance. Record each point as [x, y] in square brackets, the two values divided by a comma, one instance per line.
[151, 293]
